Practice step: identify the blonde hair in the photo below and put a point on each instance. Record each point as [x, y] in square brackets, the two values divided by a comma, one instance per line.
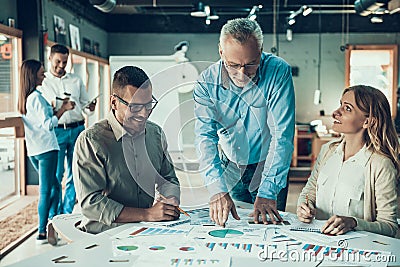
[381, 136]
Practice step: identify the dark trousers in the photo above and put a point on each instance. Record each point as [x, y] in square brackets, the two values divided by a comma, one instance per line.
[243, 182]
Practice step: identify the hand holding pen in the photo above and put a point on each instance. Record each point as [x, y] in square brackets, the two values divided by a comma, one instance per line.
[305, 212]
[174, 203]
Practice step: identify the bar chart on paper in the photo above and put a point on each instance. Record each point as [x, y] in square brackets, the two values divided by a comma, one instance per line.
[242, 249]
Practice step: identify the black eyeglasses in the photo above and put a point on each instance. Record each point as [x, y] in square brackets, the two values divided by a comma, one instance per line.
[238, 66]
[138, 107]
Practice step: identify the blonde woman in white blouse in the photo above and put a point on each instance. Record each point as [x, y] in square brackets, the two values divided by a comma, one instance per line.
[353, 183]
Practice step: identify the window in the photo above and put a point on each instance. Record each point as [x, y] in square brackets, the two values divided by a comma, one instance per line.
[374, 65]
[11, 156]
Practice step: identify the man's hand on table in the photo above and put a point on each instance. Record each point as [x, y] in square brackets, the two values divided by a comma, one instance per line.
[266, 206]
[221, 205]
[165, 210]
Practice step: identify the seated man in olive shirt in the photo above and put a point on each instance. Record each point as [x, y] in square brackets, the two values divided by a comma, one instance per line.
[120, 160]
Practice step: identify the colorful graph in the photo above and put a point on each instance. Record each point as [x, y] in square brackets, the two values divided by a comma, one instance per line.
[195, 262]
[186, 248]
[225, 233]
[238, 246]
[127, 248]
[156, 231]
[157, 248]
[199, 213]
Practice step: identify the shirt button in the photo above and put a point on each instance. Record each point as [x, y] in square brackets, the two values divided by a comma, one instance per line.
[238, 148]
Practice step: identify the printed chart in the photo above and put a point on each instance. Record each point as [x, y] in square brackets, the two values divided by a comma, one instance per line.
[150, 231]
[175, 261]
[238, 249]
[144, 245]
[225, 233]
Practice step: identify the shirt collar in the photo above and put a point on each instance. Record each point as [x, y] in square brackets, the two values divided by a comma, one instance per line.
[361, 157]
[117, 128]
[51, 75]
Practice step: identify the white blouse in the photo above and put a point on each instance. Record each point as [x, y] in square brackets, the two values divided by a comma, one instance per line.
[340, 185]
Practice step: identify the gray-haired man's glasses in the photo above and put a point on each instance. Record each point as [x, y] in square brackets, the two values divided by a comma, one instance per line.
[134, 108]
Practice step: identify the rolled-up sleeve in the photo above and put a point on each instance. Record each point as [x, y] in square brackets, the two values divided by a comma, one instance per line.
[281, 107]
[207, 139]
[91, 184]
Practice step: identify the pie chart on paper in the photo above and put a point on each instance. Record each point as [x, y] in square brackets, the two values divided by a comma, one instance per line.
[186, 248]
[225, 233]
[156, 248]
[127, 248]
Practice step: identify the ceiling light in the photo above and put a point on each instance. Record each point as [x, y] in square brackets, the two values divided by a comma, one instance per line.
[307, 10]
[366, 7]
[104, 5]
[208, 22]
[200, 11]
[253, 17]
[376, 19]
[289, 34]
[213, 15]
[252, 14]
[291, 21]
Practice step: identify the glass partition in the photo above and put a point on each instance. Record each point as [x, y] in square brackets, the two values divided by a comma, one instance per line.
[10, 121]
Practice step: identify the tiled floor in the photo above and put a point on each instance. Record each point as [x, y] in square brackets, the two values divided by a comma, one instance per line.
[193, 194]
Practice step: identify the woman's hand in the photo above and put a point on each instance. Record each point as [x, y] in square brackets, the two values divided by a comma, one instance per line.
[305, 213]
[338, 225]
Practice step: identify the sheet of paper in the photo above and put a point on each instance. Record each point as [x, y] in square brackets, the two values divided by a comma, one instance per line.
[149, 231]
[179, 261]
[219, 234]
[88, 103]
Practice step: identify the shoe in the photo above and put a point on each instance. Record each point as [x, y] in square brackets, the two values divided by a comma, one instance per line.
[52, 236]
[41, 239]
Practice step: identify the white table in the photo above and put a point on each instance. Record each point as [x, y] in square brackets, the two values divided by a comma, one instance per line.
[101, 254]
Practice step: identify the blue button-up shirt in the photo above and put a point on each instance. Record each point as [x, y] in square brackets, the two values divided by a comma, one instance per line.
[251, 124]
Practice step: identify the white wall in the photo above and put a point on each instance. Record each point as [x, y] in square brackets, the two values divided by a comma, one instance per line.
[301, 52]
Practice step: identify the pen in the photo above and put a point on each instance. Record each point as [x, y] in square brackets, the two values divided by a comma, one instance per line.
[307, 200]
[379, 242]
[181, 210]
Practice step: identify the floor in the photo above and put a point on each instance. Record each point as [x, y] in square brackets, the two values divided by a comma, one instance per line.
[193, 194]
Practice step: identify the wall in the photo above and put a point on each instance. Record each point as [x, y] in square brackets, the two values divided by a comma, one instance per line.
[301, 52]
[86, 29]
[8, 10]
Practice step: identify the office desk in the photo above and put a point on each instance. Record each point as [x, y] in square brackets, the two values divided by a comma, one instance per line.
[83, 253]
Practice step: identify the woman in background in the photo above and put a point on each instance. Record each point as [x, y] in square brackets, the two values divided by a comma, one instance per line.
[41, 143]
[353, 183]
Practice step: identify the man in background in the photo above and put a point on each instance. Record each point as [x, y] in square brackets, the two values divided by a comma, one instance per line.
[57, 86]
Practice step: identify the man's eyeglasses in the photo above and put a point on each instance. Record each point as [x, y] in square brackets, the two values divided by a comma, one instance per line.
[138, 107]
[250, 67]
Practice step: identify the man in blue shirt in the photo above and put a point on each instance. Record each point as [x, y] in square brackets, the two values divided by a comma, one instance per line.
[245, 104]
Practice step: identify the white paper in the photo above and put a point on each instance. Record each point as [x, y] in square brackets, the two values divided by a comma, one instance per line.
[88, 103]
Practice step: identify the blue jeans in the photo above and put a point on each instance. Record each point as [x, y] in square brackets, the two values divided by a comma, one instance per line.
[243, 182]
[49, 188]
[66, 139]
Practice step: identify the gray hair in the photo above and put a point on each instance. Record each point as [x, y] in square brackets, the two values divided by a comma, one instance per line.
[241, 30]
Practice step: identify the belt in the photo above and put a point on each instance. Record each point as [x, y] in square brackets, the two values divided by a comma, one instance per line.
[71, 125]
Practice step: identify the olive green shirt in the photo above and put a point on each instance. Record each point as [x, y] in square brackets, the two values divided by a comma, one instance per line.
[113, 169]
